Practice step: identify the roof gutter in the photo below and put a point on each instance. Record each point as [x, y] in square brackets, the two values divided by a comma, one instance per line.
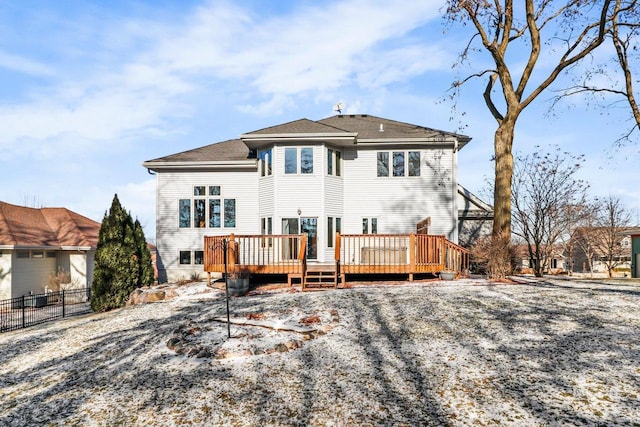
[254, 140]
[187, 164]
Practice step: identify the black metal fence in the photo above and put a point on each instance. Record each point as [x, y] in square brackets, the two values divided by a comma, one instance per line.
[29, 310]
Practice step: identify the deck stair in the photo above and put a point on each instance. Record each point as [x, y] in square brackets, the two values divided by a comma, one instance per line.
[320, 277]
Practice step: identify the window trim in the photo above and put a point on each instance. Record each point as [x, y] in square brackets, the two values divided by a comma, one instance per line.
[369, 225]
[394, 169]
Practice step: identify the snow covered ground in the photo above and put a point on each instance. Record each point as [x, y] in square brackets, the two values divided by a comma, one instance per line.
[468, 352]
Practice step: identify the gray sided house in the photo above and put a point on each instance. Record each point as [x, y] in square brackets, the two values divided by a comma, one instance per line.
[352, 174]
[43, 248]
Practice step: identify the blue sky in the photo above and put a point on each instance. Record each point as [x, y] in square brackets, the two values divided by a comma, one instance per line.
[90, 90]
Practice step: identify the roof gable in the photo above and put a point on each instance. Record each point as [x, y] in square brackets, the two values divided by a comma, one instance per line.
[56, 227]
[301, 126]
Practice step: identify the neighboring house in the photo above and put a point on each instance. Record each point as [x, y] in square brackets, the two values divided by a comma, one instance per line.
[526, 265]
[353, 174]
[475, 218]
[593, 249]
[36, 244]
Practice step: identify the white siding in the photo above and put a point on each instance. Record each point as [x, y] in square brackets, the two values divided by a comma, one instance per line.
[173, 186]
[5, 274]
[400, 202]
[31, 274]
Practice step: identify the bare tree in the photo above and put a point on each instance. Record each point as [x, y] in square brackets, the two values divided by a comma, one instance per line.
[561, 31]
[612, 81]
[545, 192]
[612, 222]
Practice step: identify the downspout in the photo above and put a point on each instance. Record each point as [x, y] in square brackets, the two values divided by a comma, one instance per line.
[454, 192]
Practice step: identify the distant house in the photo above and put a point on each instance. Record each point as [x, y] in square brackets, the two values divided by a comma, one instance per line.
[595, 249]
[555, 264]
[36, 244]
[347, 174]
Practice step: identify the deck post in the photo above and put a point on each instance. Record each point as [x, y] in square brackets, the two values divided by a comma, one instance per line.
[412, 255]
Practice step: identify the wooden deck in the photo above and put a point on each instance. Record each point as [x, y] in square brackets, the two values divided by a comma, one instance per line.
[379, 254]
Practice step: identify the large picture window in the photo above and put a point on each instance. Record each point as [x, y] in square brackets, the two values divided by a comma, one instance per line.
[291, 160]
[211, 212]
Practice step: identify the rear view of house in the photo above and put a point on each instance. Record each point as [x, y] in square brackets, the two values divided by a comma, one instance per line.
[348, 174]
[38, 244]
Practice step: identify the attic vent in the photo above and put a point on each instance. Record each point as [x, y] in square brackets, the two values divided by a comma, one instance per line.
[381, 127]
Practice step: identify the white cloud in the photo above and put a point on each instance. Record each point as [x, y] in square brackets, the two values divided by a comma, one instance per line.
[24, 65]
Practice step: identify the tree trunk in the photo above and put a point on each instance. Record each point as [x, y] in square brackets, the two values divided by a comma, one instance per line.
[503, 143]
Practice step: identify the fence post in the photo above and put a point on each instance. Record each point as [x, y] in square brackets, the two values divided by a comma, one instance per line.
[63, 306]
[23, 313]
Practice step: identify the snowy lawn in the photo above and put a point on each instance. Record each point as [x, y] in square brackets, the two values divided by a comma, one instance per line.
[446, 353]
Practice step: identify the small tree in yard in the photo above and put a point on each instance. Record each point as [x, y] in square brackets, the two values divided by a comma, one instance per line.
[612, 220]
[119, 260]
[545, 193]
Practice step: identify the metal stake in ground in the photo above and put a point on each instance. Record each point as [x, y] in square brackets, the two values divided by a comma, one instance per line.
[225, 245]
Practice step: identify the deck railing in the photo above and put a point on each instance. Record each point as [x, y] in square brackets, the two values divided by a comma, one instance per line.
[354, 254]
[261, 254]
[391, 253]
[399, 253]
[457, 258]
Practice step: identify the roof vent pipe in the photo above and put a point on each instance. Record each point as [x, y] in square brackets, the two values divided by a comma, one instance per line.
[381, 127]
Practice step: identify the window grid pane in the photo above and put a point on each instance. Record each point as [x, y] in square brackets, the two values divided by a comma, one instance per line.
[198, 257]
[365, 226]
[338, 163]
[414, 163]
[230, 212]
[329, 161]
[330, 232]
[185, 257]
[199, 213]
[398, 163]
[383, 163]
[198, 190]
[374, 225]
[214, 213]
[184, 206]
[214, 190]
[306, 160]
[290, 160]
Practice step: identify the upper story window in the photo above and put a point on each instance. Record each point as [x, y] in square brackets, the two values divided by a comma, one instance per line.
[291, 160]
[265, 162]
[202, 211]
[404, 163]
[334, 159]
